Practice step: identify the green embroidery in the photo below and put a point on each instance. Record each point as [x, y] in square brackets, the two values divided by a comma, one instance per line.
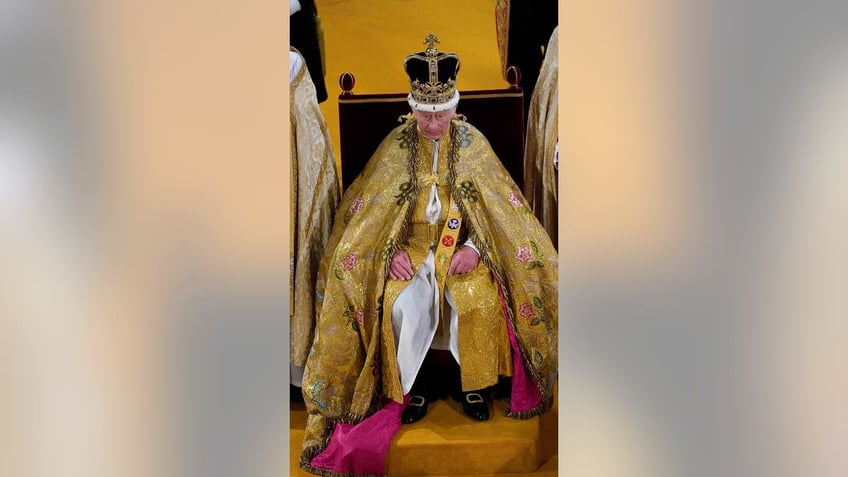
[405, 193]
[348, 314]
[539, 315]
[468, 191]
[537, 255]
[537, 358]
[404, 137]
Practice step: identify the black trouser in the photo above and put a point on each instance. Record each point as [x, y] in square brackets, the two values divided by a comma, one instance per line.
[438, 376]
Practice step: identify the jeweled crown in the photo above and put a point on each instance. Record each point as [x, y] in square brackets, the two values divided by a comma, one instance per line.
[432, 77]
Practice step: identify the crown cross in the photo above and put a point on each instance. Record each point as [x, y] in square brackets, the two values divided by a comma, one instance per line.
[431, 41]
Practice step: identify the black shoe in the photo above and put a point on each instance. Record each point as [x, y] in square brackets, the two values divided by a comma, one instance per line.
[295, 394]
[474, 406]
[414, 410]
[502, 390]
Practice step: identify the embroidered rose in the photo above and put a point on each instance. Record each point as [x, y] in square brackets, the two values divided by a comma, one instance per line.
[526, 310]
[523, 254]
[513, 199]
[360, 317]
[447, 240]
[349, 261]
[355, 206]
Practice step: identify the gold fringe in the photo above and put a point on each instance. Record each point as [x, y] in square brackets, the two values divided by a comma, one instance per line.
[310, 452]
[540, 409]
[409, 136]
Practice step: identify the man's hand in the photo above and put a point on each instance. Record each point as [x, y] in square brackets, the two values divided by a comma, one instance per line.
[401, 266]
[463, 261]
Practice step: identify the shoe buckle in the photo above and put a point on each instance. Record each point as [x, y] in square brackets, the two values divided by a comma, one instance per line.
[417, 401]
[472, 398]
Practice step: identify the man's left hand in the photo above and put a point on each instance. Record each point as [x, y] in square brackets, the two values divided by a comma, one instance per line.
[463, 261]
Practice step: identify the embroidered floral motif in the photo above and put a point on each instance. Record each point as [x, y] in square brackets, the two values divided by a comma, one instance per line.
[534, 312]
[513, 199]
[355, 318]
[447, 241]
[314, 391]
[349, 261]
[527, 311]
[355, 206]
[464, 135]
[531, 257]
[405, 193]
[468, 191]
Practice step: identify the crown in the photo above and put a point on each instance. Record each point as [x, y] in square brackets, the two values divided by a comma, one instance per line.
[432, 77]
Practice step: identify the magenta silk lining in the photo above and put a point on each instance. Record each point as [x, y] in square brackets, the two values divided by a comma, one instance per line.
[361, 448]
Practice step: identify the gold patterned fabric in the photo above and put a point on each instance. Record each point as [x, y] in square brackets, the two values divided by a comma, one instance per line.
[540, 176]
[353, 360]
[314, 196]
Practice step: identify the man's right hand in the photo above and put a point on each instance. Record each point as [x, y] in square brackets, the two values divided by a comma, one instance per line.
[401, 266]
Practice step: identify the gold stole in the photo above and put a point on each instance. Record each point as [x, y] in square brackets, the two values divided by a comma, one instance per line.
[447, 243]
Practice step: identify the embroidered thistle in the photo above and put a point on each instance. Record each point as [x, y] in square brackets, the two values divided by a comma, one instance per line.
[468, 191]
[513, 199]
[405, 193]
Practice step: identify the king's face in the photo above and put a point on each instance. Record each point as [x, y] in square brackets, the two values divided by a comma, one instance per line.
[433, 125]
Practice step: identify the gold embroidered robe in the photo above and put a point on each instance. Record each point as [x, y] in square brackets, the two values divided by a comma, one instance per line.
[352, 361]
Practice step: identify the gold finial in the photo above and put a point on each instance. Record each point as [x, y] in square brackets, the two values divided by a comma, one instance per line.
[431, 41]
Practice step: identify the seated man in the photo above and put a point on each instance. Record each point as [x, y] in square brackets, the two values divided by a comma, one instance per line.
[433, 247]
